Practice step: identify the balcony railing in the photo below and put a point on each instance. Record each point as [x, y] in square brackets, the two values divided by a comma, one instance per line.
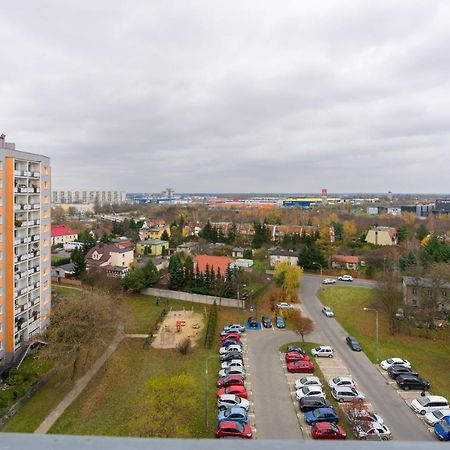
[36, 206]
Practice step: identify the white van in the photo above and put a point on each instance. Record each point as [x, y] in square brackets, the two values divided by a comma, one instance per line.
[323, 350]
[428, 403]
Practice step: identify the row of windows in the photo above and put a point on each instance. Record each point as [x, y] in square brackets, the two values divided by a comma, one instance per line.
[430, 292]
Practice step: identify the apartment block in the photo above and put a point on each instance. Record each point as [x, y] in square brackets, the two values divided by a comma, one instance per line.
[103, 197]
[25, 207]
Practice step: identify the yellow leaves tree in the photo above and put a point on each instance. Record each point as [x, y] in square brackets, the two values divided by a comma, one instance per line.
[349, 228]
[287, 277]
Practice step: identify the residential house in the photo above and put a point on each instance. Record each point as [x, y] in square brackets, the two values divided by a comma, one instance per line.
[61, 234]
[62, 271]
[242, 263]
[152, 247]
[123, 242]
[278, 231]
[187, 248]
[110, 258]
[382, 236]
[344, 262]
[277, 255]
[192, 228]
[213, 262]
[237, 252]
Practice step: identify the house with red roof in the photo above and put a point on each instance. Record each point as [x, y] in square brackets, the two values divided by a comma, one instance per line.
[62, 234]
[213, 262]
[344, 261]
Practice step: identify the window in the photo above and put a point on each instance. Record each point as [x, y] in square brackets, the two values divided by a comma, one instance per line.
[429, 292]
[444, 293]
[414, 291]
[414, 302]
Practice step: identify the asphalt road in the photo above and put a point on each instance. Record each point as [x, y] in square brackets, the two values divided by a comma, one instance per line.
[404, 425]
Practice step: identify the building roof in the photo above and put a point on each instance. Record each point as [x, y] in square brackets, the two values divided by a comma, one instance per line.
[104, 250]
[62, 230]
[347, 259]
[216, 262]
[425, 282]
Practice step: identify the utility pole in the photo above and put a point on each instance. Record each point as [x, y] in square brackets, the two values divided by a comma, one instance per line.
[377, 336]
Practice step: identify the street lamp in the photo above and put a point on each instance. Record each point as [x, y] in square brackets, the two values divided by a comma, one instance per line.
[206, 391]
[240, 301]
[376, 324]
[320, 265]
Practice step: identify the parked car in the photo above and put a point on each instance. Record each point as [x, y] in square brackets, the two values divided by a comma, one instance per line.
[328, 311]
[295, 356]
[341, 381]
[309, 391]
[346, 394]
[279, 322]
[238, 390]
[227, 332]
[307, 381]
[353, 343]
[442, 429]
[295, 348]
[236, 414]
[229, 428]
[321, 415]
[229, 342]
[345, 278]
[394, 362]
[311, 403]
[323, 350]
[231, 337]
[327, 430]
[433, 417]
[230, 380]
[408, 381]
[328, 281]
[266, 322]
[232, 363]
[429, 403]
[232, 371]
[226, 401]
[230, 348]
[300, 367]
[252, 322]
[372, 431]
[231, 355]
[284, 305]
[234, 327]
[395, 371]
[363, 415]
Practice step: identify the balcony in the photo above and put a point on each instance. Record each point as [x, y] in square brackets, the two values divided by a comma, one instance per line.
[35, 206]
[35, 174]
[18, 207]
[35, 237]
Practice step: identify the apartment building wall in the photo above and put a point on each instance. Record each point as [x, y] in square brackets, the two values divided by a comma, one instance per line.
[25, 291]
[104, 197]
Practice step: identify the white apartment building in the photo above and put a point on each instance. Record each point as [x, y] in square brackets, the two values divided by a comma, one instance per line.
[104, 197]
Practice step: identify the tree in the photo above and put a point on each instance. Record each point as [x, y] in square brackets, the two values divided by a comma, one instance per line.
[58, 214]
[248, 254]
[87, 239]
[176, 272]
[232, 233]
[338, 230]
[81, 325]
[402, 233]
[408, 261]
[422, 232]
[150, 273]
[302, 325]
[79, 262]
[261, 235]
[287, 276]
[165, 236]
[106, 239]
[435, 251]
[311, 257]
[349, 229]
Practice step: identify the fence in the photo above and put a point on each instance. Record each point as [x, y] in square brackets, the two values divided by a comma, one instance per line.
[194, 298]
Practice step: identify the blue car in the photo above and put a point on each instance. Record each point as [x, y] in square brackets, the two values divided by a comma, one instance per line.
[279, 322]
[236, 414]
[228, 342]
[321, 415]
[442, 429]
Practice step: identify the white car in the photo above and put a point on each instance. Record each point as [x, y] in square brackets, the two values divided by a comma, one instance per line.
[373, 431]
[237, 370]
[433, 417]
[341, 381]
[310, 391]
[307, 381]
[328, 311]
[345, 278]
[429, 403]
[226, 401]
[284, 305]
[323, 350]
[234, 327]
[328, 281]
[395, 362]
[233, 363]
[230, 349]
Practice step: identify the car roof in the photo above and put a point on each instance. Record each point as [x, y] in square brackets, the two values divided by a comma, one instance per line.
[309, 378]
[237, 409]
[313, 400]
[326, 409]
[435, 398]
[323, 425]
[324, 347]
[343, 378]
[344, 388]
[227, 397]
[227, 424]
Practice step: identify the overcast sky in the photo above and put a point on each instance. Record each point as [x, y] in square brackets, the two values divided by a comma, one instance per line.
[231, 96]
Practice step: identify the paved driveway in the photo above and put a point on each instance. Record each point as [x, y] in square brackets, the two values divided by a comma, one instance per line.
[398, 416]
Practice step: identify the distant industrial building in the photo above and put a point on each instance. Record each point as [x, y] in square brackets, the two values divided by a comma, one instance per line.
[442, 206]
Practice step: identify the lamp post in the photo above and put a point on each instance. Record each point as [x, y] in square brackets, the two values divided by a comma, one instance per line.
[376, 325]
[206, 391]
[239, 300]
[320, 265]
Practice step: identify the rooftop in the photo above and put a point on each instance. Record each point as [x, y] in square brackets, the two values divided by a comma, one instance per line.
[62, 230]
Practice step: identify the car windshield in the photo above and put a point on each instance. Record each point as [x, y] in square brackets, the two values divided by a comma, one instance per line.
[303, 380]
[423, 400]
[390, 361]
[238, 400]
[336, 380]
[445, 426]
[316, 413]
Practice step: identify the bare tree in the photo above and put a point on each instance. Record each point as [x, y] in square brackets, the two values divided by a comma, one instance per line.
[302, 325]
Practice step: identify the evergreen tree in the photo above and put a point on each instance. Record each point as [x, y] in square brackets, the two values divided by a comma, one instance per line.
[150, 273]
[220, 284]
[402, 233]
[206, 232]
[261, 235]
[248, 254]
[176, 273]
[87, 240]
[422, 232]
[207, 279]
[79, 263]
[165, 236]
[232, 234]
[407, 261]
[338, 230]
[310, 254]
[134, 280]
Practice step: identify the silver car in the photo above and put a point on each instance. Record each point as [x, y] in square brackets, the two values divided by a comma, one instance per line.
[226, 401]
[346, 394]
[373, 431]
[236, 370]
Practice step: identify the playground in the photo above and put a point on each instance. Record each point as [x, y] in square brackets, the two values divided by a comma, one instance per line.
[178, 326]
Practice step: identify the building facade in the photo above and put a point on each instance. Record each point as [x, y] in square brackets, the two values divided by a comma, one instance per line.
[62, 234]
[278, 255]
[382, 236]
[25, 291]
[103, 197]
[344, 262]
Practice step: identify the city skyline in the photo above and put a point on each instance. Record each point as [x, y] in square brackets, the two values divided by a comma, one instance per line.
[351, 96]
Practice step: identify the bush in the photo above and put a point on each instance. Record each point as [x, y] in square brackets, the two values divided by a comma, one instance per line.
[185, 346]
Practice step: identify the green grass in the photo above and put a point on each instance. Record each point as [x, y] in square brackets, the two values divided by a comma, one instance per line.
[65, 289]
[430, 357]
[308, 346]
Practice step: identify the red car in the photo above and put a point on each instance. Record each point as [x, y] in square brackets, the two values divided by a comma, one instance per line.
[231, 337]
[300, 367]
[296, 356]
[233, 429]
[230, 380]
[236, 390]
[327, 430]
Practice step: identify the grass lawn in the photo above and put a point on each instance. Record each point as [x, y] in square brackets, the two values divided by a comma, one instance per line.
[430, 357]
[308, 346]
[66, 290]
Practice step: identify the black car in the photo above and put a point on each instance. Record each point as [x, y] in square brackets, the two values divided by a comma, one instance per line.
[408, 381]
[252, 322]
[312, 403]
[294, 348]
[353, 343]
[230, 356]
[394, 371]
[267, 323]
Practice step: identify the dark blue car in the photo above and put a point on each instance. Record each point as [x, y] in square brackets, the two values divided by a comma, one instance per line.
[228, 342]
[442, 429]
[321, 415]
